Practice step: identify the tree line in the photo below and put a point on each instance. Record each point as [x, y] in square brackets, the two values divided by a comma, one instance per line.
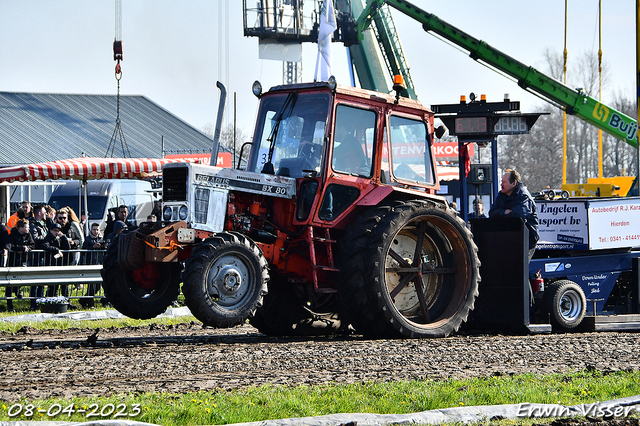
[538, 155]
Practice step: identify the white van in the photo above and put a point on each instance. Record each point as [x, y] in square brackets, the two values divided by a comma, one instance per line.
[104, 196]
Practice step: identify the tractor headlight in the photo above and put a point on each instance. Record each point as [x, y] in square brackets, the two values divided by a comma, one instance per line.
[183, 212]
[332, 83]
[166, 214]
[256, 88]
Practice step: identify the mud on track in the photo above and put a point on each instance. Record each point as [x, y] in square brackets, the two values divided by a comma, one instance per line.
[188, 357]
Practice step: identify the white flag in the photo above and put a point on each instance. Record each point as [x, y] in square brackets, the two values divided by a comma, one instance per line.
[327, 27]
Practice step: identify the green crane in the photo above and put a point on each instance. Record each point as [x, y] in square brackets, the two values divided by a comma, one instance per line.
[573, 101]
[375, 47]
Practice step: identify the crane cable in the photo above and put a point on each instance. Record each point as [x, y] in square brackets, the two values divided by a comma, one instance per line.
[564, 110]
[117, 56]
[600, 149]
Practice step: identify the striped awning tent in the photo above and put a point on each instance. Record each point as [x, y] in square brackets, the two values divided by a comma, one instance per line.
[85, 168]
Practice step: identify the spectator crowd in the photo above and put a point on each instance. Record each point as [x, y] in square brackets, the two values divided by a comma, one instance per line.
[44, 236]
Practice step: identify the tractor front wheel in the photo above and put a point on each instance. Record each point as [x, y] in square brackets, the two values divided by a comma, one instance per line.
[225, 280]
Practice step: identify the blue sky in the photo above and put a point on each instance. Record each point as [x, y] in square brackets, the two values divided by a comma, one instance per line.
[171, 50]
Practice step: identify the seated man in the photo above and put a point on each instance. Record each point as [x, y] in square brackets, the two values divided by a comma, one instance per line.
[348, 155]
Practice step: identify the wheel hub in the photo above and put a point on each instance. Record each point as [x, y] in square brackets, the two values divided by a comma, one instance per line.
[407, 300]
[227, 281]
[570, 305]
[232, 280]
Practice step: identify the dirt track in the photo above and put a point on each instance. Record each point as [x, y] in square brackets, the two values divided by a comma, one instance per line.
[188, 357]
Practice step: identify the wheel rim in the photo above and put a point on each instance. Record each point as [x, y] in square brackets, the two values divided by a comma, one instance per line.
[426, 271]
[145, 281]
[570, 305]
[230, 280]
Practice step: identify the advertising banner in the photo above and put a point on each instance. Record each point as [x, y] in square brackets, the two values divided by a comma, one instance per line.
[443, 150]
[614, 223]
[562, 225]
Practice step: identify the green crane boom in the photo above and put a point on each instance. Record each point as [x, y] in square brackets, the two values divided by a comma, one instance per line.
[374, 48]
[573, 101]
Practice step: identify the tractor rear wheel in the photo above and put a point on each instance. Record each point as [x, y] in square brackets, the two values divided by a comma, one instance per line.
[409, 270]
[225, 280]
[141, 293]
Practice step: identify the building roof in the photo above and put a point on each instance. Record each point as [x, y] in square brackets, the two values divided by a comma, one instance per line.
[38, 127]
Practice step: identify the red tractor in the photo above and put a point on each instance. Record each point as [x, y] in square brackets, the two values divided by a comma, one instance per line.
[334, 221]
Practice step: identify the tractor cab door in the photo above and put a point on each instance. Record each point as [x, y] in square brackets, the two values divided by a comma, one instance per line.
[407, 159]
[350, 165]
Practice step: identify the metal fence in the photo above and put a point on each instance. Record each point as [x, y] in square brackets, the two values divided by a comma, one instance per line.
[71, 273]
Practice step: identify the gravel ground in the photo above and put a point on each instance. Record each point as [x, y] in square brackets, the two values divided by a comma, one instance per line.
[188, 357]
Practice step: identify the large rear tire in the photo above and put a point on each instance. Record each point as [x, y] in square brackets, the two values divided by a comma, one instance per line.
[225, 280]
[408, 270]
[143, 293]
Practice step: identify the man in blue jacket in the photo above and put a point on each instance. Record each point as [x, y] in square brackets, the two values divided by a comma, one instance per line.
[515, 200]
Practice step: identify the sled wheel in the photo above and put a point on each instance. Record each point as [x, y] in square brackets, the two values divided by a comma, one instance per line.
[141, 293]
[410, 270]
[566, 303]
[288, 311]
[225, 280]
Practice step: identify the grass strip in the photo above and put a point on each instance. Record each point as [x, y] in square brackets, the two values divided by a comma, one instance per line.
[67, 324]
[275, 402]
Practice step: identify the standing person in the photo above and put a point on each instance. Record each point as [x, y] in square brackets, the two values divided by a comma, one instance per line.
[14, 218]
[55, 242]
[39, 232]
[26, 208]
[123, 213]
[38, 226]
[70, 224]
[24, 212]
[118, 227]
[21, 245]
[51, 216]
[5, 245]
[478, 210]
[157, 209]
[515, 200]
[94, 241]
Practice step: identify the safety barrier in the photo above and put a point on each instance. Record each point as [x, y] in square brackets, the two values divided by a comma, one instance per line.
[74, 272]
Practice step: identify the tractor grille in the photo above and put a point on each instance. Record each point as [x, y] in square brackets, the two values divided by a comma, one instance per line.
[174, 183]
[202, 205]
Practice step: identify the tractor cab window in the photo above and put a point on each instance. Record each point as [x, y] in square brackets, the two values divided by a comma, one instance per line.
[410, 155]
[353, 141]
[291, 131]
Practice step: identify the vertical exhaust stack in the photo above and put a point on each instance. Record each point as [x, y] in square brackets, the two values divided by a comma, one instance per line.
[216, 134]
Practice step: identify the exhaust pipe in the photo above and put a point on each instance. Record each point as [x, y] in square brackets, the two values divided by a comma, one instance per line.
[216, 135]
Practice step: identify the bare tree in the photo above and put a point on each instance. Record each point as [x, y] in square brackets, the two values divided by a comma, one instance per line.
[227, 138]
[538, 155]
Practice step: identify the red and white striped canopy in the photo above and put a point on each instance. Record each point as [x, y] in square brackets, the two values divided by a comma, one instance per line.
[86, 168]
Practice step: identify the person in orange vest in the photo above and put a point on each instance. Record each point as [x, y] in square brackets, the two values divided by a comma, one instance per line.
[27, 212]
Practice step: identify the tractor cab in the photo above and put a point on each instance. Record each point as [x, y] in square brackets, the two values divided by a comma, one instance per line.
[345, 147]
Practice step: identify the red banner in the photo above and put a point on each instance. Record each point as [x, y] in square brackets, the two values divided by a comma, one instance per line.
[224, 158]
[443, 150]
